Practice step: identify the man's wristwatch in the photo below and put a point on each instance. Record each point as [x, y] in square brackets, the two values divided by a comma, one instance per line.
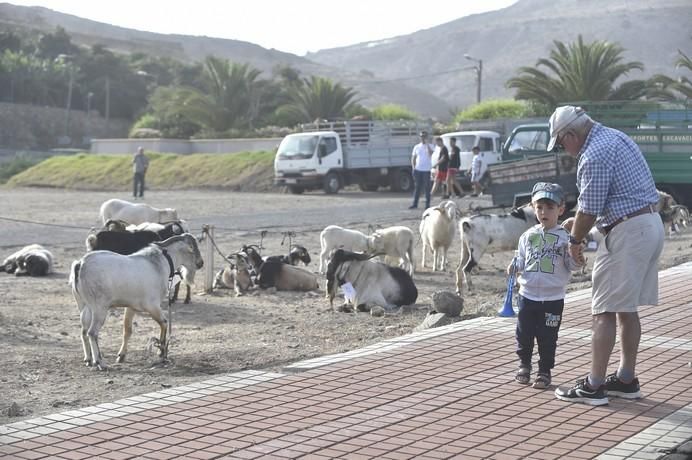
[573, 240]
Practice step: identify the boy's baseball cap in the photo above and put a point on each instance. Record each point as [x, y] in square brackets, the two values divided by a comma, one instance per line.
[552, 192]
[560, 119]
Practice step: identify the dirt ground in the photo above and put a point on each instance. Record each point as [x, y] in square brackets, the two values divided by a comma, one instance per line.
[41, 360]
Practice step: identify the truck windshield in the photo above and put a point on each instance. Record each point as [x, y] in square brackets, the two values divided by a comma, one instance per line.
[466, 143]
[298, 147]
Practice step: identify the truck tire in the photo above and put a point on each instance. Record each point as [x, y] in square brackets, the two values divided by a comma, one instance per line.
[332, 183]
[295, 189]
[403, 181]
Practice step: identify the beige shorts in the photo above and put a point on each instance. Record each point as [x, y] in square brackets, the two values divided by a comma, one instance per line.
[625, 272]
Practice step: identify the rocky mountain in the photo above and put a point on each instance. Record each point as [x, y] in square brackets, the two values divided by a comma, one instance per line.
[651, 32]
[195, 48]
[425, 70]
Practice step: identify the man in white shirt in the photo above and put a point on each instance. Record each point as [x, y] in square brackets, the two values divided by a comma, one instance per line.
[421, 163]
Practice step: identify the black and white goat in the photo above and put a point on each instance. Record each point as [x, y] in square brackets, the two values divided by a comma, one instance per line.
[138, 282]
[31, 260]
[129, 242]
[274, 272]
[482, 232]
[374, 283]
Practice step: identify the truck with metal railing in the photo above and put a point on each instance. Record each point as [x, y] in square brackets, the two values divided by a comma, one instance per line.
[662, 131]
[331, 155]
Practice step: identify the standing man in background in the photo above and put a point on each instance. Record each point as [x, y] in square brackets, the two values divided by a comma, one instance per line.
[421, 164]
[441, 170]
[475, 171]
[453, 187]
[616, 193]
[140, 164]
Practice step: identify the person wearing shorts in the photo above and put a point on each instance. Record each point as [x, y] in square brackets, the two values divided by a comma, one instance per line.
[618, 195]
[441, 168]
[453, 187]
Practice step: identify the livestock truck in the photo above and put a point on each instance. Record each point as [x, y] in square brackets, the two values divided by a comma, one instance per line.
[663, 133]
[331, 155]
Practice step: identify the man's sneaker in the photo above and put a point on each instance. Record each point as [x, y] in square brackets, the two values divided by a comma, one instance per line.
[582, 393]
[620, 389]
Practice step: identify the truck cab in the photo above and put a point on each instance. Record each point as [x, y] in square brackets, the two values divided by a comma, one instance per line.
[303, 160]
[526, 161]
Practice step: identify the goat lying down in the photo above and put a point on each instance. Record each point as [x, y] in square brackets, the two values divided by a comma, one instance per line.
[235, 275]
[135, 213]
[138, 282]
[482, 232]
[374, 282]
[31, 260]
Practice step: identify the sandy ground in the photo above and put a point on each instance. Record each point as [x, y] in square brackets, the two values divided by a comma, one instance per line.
[41, 362]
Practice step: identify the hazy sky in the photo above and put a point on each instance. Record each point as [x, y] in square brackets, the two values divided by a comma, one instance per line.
[295, 26]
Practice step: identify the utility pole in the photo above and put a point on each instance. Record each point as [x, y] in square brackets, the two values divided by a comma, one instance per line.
[479, 75]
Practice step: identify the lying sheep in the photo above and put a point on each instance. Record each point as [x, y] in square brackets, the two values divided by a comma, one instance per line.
[396, 243]
[135, 213]
[335, 237]
[31, 260]
[437, 230]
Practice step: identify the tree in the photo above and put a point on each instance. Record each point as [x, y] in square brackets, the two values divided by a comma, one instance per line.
[319, 98]
[669, 89]
[578, 72]
[392, 112]
[52, 45]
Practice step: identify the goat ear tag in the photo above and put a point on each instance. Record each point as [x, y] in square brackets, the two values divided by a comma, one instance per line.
[349, 292]
[591, 246]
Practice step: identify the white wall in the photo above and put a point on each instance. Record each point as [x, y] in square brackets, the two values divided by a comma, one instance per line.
[184, 147]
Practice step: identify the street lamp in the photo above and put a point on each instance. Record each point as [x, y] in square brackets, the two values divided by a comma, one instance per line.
[479, 74]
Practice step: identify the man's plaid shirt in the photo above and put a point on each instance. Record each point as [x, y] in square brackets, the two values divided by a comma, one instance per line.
[613, 177]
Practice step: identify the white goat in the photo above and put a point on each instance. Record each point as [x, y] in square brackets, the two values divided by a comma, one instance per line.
[437, 230]
[489, 231]
[135, 213]
[335, 237]
[138, 282]
[396, 243]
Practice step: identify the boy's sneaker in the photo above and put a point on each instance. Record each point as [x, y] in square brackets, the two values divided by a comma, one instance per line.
[582, 393]
[620, 389]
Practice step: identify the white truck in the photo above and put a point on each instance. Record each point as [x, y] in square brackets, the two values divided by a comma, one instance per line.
[331, 155]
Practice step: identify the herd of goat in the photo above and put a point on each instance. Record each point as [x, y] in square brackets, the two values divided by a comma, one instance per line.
[132, 261]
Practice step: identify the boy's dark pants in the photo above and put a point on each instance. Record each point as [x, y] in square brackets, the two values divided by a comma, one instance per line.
[542, 321]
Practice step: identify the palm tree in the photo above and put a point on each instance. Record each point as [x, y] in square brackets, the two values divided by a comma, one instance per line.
[578, 72]
[318, 98]
[669, 89]
[230, 100]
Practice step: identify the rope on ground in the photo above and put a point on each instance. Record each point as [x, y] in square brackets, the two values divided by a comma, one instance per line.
[23, 221]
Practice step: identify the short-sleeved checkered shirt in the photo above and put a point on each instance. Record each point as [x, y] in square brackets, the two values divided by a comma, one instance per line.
[613, 177]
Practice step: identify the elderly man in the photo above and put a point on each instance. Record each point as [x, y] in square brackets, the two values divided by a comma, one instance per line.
[618, 195]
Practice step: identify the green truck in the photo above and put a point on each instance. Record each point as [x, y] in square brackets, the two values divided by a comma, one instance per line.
[663, 132]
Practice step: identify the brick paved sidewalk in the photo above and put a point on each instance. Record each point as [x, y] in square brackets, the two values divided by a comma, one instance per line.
[445, 393]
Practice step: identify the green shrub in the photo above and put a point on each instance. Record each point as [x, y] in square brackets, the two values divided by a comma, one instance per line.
[18, 164]
[493, 109]
[393, 112]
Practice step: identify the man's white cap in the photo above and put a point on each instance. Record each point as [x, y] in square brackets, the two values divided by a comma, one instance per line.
[560, 119]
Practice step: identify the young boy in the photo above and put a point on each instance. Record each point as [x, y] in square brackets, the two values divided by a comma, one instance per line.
[544, 267]
[475, 171]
